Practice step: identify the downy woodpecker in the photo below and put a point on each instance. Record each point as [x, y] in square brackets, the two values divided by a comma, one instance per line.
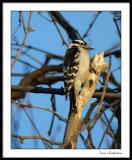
[76, 68]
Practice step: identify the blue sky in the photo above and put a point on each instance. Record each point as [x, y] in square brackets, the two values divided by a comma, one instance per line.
[45, 36]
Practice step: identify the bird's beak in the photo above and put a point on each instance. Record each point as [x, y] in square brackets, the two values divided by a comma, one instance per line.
[90, 48]
[87, 47]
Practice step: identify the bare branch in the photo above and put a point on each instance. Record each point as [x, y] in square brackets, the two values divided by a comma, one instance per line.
[31, 78]
[38, 89]
[91, 24]
[113, 80]
[25, 63]
[89, 139]
[59, 91]
[106, 130]
[26, 31]
[115, 21]
[113, 51]
[19, 74]
[116, 53]
[71, 31]
[60, 117]
[54, 21]
[29, 56]
[48, 54]
[33, 124]
[22, 138]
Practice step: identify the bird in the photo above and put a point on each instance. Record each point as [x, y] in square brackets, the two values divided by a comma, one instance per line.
[76, 69]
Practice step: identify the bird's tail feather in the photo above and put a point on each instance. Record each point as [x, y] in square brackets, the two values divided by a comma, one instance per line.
[73, 107]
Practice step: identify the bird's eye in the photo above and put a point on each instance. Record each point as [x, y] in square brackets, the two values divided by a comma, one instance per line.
[82, 43]
[74, 41]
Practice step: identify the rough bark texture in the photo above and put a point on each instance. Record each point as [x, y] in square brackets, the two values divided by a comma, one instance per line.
[72, 131]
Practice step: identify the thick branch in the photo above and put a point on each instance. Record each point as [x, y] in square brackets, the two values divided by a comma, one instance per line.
[38, 90]
[116, 53]
[31, 78]
[72, 131]
[72, 33]
[59, 91]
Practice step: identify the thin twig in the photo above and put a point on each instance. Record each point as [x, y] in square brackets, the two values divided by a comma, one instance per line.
[26, 31]
[16, 30]
[49, 54]
[23, 22]
[116, 53]
[71, 31]
[114, 81]
[104, 92]
[29, 56]
[60, 117]
[34, 125]
[111, 50]
[19, 74]
[83, 140]
[106, 130]
[25, 63]
[115, 21]
[22, 138]
[89, 139]
[54, 21]
[110, 130]
[90, 110]
[116, 69]
[91, 24]
[45, 18]
[53, 101]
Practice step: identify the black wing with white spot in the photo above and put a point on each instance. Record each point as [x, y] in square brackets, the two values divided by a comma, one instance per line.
[71, 66]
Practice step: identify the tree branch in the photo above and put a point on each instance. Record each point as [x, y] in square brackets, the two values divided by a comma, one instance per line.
[26, 31]
[92, 23]
[48, 54]
[60, 117]
[54, 21]
[71, 31]
[59, 91]
[22, 138]
[31, 78]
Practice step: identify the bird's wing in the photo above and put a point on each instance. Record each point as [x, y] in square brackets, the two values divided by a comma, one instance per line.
[70, 68]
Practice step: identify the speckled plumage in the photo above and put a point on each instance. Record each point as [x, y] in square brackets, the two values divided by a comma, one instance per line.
[76, 67]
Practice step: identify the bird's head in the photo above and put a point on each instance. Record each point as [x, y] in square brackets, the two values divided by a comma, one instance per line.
[80, 43]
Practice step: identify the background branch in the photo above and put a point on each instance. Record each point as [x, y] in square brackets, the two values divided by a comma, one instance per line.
[70, 30]
[26, 31]
[91, 24]
[59, 91]
[22, 138]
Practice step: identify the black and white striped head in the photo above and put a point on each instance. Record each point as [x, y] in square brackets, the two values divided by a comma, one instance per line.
[79, 43]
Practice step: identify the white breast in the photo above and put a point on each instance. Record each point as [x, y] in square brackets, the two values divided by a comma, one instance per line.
[83, 66]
